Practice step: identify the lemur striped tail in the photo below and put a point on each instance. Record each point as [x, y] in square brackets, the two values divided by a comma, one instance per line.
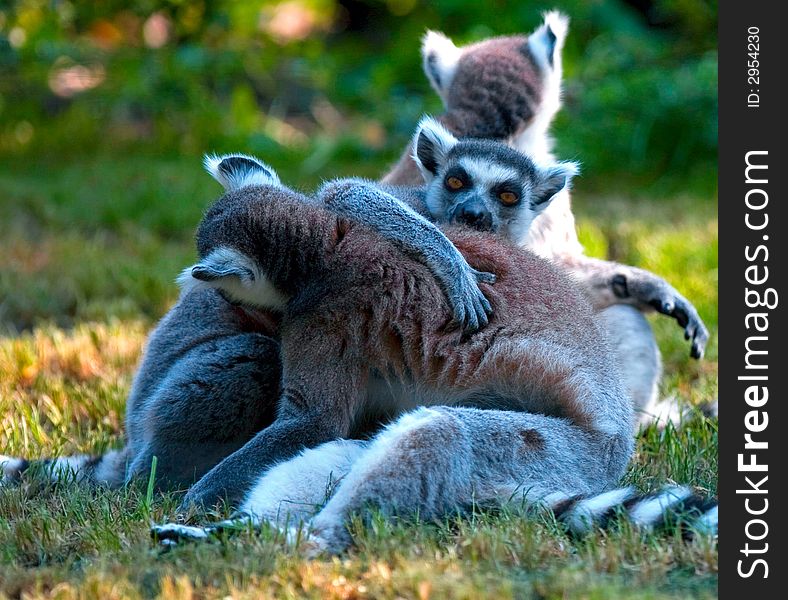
[104, 469]
[672, 506]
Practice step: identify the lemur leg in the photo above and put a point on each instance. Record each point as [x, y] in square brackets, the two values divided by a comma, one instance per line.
[286, 496]
[637, 355]
[640, 365]
[363, 202]
[210, 404]
[295, 490]
[193, 408]
[323, 385]
[433, 460]
[609, 283]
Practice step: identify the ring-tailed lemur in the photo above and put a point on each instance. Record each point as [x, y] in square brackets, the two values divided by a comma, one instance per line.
[384, 346]
[218, 385]
[209, 378]
[509, 89]
[474, 175]
[366, 332]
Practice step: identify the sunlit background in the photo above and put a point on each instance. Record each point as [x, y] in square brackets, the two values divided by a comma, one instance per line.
[317, 84]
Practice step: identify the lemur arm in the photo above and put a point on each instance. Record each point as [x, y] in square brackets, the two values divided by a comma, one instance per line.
[608, 283]
[323, 389]
[364, 202]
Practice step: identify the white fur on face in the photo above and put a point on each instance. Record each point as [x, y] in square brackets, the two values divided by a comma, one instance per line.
[486, 174]
[440, 57]
[265, 175]
[257, 291]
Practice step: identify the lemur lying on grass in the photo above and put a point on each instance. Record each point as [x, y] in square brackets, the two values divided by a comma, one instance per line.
[366, 333]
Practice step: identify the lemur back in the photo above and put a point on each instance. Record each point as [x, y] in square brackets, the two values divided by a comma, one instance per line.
[565, 433]
[360, 312]
[341, 277]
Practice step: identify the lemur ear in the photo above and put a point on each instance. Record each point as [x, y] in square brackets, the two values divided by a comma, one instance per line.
[223, 266]
[431, 143]
[547, 41]
[235, 171]
[551, 181]
[439, 60]
[212, 272]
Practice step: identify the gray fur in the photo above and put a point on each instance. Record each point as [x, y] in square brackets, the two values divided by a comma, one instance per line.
[433, 462]
[552, 365]
[384, 210]
[498, 91]
[203, 389]
[403, 214]
[451, 457]
[207, 383]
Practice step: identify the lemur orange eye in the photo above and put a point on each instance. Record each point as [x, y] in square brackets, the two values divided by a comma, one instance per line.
[508, 198]
[453, 183]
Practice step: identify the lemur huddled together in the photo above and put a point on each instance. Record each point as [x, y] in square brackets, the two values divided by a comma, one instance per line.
[427, 342]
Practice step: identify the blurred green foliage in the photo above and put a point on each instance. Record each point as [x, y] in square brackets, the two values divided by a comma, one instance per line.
[309, 84]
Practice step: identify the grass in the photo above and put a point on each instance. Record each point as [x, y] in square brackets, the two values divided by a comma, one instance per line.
[91, 249]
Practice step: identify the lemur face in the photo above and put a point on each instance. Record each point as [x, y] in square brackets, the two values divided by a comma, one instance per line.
[484, 184]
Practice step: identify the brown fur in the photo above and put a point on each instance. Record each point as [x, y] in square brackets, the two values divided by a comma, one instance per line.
[532, 439]
[495, 93]
[360, 310]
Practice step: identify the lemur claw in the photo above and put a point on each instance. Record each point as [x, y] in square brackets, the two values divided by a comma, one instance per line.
[483, 277]
[471, 308]
[172, 533]
[687, 318]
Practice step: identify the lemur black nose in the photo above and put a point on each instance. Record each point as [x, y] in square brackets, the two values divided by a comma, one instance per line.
[476, 216]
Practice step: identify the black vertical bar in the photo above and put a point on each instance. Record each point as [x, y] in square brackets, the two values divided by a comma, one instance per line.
[752, 96]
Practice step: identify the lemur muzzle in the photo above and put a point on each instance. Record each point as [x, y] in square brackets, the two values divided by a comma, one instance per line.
[476, 215]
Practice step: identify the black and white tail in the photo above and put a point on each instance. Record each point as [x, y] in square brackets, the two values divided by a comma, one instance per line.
[105, 469]
[671, 507]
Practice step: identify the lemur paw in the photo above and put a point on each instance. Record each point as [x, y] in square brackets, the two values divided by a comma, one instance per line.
[11, 469]
[687, 317]
[169, 534]
[662, 297]
[326, 541]
[210, 490]
[471, 309]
